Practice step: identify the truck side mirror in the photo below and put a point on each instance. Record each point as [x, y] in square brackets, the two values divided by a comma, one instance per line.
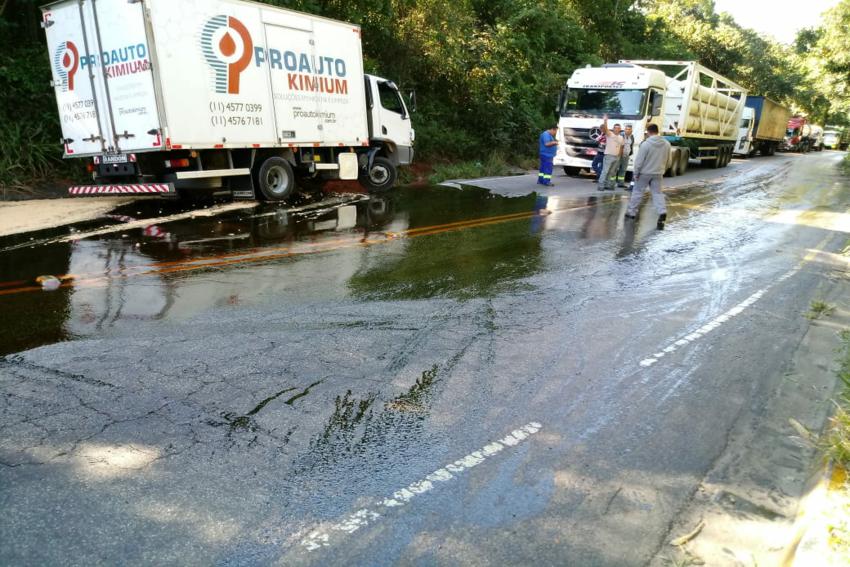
[411, 96]
[561, 99]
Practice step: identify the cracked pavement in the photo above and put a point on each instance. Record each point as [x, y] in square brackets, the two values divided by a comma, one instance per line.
[208, 404]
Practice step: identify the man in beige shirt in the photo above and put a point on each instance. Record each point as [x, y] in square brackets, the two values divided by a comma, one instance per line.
[613, 154]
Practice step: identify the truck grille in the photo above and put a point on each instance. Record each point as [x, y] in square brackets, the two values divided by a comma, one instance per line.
[578, 141]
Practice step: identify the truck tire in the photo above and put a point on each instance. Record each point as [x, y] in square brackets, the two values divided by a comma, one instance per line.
[684, 158]
[381, 176]
[275, 179]
[717, 162]
[673, 167]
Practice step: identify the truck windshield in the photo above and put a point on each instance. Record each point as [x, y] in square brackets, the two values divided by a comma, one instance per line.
[596, 102]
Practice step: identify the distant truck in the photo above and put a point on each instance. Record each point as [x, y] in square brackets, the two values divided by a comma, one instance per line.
[697, 110]
[835, 138]
[229, 95]
[762, 127]
[817, 138]
[798, 135]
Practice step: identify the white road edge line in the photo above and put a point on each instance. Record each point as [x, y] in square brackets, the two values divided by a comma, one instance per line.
[320, 538]
[715, 323]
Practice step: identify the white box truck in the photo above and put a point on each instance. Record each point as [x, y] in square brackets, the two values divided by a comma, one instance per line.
[170, 96]
[697, 110]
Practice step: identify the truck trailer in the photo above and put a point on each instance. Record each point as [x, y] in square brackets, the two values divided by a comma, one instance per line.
[762, 127]
[223, 95]
[697, 110]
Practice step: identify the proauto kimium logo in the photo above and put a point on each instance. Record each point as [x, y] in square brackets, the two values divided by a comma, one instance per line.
[228, 48]
[66, 62]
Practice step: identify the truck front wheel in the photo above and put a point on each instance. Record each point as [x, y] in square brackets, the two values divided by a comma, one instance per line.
[275, 179]
[381, 176]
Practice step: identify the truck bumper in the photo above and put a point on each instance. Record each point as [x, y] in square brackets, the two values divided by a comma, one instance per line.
[567, 161]
[165, 189]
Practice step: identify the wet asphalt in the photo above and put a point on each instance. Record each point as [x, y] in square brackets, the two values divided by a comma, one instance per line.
[435, 376]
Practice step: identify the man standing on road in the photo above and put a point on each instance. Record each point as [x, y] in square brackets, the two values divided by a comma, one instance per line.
[548, 149]
[650, 164]
[613, 152]
[627, 152]
[596, 164]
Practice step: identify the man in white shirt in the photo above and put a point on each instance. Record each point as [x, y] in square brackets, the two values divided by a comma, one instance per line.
[613, 153]
[624, 161]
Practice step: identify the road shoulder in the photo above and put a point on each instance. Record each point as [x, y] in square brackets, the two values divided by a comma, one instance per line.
[748, 505]
[18, 217]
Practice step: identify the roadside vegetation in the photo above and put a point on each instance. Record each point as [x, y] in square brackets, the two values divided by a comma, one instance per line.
[818, 309]
[487, 73]
[836, 443]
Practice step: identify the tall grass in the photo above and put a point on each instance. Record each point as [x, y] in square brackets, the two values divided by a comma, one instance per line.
[495, 165]
[836, 442]
[26, 155]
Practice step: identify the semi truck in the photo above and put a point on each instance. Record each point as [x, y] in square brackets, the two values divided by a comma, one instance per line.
[166, 98]
[696, 109]
[817, 138]
[798, 135]
[762, 127]
[836, 138]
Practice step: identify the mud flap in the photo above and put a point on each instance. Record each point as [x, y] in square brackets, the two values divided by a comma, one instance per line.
[241, 187]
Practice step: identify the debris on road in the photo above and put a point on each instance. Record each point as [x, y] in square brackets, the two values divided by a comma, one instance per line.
[682, 540]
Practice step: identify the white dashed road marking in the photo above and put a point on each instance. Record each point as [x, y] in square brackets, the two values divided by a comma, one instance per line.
[720, 320]
[320, 538]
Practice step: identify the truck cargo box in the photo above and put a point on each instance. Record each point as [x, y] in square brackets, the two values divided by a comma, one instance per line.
[140, 76]
[771, 118]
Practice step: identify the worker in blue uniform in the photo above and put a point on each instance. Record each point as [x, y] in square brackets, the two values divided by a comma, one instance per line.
[548, 149]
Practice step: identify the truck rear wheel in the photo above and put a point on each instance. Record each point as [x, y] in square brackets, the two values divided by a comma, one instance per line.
[381, 176]
[275, 179]
[717, 163]
[684, 158]
[673, 168]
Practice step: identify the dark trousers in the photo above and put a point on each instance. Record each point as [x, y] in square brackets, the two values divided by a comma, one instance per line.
[546, 167]
[596, 164]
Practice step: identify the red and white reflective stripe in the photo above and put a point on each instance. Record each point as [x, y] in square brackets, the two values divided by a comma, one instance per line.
[153, 188]
[155, 231]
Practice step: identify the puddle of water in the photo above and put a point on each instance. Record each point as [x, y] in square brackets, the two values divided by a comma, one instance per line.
[357, 246]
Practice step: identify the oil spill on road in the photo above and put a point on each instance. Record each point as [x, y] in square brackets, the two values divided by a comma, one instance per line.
[412, 244]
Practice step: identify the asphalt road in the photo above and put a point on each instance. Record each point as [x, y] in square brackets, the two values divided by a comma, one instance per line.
[441, 376]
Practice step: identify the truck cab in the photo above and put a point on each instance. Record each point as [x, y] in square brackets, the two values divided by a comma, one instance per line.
[797, 135]
[391, 132]
[628, 94]
[744, 146]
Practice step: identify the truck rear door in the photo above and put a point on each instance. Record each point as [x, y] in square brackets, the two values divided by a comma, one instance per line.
[103, 76]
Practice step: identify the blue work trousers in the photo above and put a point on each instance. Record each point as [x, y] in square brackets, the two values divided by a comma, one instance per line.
[546, 167]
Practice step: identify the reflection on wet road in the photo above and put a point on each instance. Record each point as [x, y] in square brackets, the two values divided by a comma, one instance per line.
[264, 384]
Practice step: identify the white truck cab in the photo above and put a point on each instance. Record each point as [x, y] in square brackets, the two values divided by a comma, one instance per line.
[744, 146]
[626, 93]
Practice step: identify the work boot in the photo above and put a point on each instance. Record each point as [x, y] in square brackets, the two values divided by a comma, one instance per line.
[662, 218]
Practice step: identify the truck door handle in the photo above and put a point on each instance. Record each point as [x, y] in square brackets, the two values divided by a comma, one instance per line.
[384, 129]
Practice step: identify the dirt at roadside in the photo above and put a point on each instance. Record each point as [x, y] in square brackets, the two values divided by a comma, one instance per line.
[27, 216]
